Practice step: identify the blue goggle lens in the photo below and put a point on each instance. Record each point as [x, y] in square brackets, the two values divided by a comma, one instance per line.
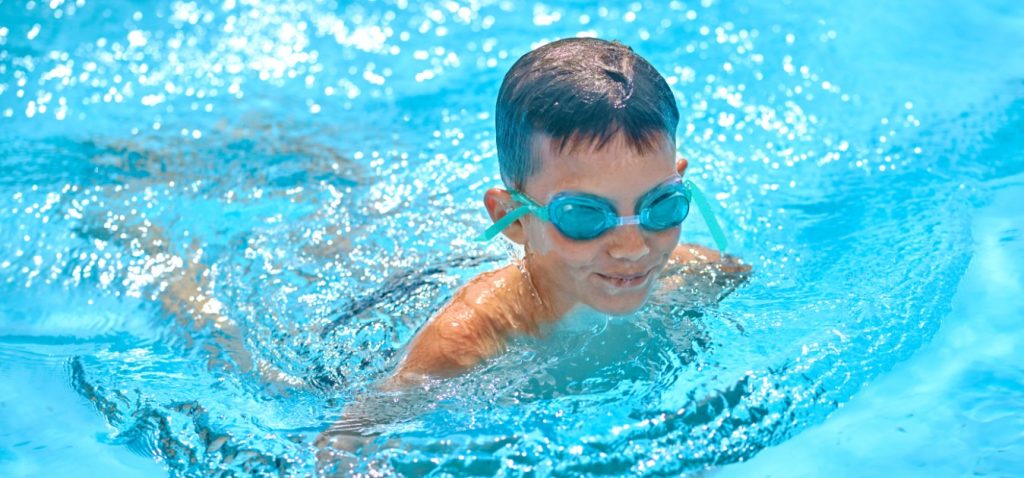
[581, 217]
[665, 210]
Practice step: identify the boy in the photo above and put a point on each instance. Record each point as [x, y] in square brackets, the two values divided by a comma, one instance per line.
[586, 148]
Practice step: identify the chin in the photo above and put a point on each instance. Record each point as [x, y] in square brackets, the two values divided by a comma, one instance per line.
[620, 305]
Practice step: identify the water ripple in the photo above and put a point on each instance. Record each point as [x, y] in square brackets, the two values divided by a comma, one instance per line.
[228, 218]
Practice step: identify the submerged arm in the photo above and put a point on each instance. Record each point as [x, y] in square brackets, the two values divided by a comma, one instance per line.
[186, 295]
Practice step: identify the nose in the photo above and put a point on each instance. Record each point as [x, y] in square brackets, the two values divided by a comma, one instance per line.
[628, 243]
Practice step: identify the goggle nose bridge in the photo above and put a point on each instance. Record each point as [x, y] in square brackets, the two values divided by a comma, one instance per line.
[627, 220]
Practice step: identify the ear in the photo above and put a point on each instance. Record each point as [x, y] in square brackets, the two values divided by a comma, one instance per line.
[681, 165]
[499, 203]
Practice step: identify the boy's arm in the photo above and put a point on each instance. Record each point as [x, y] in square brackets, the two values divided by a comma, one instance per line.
[185, 293]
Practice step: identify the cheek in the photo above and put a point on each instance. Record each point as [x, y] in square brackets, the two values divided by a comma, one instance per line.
[664, 242]
[538, 237]
[545, 240]
[576, 254]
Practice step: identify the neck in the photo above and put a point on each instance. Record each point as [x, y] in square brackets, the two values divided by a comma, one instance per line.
[548, 307]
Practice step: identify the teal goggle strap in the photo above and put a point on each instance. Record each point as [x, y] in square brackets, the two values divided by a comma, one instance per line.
[709, 217]
[528, 206]
[531, 206]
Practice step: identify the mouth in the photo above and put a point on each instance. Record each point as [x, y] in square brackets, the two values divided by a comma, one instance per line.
[626, 281]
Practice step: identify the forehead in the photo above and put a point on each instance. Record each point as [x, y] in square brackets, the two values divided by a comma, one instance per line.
[618, 165]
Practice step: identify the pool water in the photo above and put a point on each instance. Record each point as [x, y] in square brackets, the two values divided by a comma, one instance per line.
[951, 409]
[220, 222]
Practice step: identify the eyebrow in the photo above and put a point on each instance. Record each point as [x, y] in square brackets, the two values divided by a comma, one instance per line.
[576, 191]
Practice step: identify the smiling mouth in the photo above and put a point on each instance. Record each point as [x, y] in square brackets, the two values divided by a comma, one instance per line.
[625, 281]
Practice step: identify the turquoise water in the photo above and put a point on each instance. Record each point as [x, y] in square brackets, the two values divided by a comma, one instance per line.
[193, 192]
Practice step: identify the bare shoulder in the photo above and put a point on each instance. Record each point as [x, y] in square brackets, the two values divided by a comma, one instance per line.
[466, 331]
[704, 275]
[696, 258]
[685, 253]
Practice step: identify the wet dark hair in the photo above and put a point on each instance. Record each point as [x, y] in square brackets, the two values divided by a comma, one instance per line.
[580, 92]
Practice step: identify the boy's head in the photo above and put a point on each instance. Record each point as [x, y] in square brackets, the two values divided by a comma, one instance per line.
[586, 116]
[580, 92]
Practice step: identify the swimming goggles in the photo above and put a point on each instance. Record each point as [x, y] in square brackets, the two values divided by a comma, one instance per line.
[582, 216]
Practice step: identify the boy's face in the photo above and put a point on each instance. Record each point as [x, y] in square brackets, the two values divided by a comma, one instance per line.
[615, 272]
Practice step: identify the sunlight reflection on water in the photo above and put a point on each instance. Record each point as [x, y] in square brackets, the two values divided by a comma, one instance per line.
[314, 171]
